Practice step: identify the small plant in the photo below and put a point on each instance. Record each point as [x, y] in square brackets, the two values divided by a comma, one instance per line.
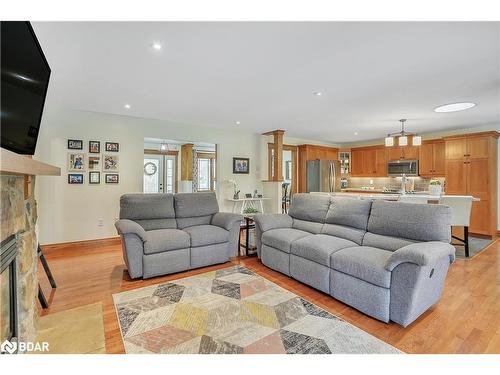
[434, 182]
[250, 210]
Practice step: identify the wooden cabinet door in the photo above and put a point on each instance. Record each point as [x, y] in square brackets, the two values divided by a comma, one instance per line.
[410, 152]
[455, 148]
[439, 158]
[369, 162]
[394, 153]
[381, 162]
[478, 178]
[456, 177]
[426, 161]
[480, 217]
[356, 162]
[478, 147]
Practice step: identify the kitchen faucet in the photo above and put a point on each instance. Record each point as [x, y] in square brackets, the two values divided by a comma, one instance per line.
[403, 183]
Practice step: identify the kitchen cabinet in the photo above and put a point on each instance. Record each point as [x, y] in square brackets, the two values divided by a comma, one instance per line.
[432, 159]
[312, 152]
[403, 152]
[369, 162]
[471, 169]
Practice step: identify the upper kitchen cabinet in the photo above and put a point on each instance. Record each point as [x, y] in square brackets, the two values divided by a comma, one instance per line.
[432, 158]
[402, 153]
[471, 169]
[369, 161]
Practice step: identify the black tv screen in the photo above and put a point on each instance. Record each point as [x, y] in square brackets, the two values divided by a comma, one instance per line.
[25, 78]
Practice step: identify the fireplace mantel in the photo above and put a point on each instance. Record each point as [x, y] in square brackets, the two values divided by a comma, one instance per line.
[12, 163]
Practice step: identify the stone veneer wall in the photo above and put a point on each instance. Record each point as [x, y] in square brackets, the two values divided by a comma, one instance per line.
[18, 215]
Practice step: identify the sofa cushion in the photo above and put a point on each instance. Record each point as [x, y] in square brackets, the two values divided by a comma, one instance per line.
[185, 222]
[195, 204]
[349, 212]
[363, 262]
[202, 235]
[319, 247]
[309, 207]
[152, 224]
[419, 222]
[161, 240]
[282, 238]
[348, 233]
[385, 242]
[147, 206]
[307, 226]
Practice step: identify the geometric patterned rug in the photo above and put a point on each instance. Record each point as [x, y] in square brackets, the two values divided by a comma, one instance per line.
[233, 311]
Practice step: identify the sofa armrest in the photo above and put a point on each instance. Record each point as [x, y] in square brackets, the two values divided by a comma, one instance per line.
[226, 220]
[421, 254]
[273, 221]
[125, 226]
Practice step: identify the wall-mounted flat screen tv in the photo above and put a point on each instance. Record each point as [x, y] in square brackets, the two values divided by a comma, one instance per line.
[25, 78]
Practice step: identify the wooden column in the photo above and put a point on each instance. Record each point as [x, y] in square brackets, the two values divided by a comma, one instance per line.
[187, 162]
[278, 153]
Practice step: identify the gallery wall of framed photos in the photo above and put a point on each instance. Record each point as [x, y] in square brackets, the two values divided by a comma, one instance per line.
[93, 163]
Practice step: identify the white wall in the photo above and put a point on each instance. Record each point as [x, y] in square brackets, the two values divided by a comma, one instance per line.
[71, 212]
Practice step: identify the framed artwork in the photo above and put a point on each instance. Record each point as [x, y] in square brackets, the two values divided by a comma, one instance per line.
[94, 147]
[75, 144]
[112, 146]
[110, 163]
[94, 162]
[241, 165]
[112, 178]
[94, 177]
[75, 178]
[76, 161]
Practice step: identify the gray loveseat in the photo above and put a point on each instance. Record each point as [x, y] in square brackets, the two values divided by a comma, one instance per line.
[386, 259]
[167, 233]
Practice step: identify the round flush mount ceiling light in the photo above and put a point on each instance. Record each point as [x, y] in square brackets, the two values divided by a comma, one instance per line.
[454, 107]
[156, 46]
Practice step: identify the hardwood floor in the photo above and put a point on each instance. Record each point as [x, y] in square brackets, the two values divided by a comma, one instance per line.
[466, 320]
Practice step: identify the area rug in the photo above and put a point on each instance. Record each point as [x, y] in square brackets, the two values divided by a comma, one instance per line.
[476, 245]
[233, 311]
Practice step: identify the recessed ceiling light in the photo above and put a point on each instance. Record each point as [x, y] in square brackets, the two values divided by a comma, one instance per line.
[355, 133]
[157, 46]
[238, 122]
[318, 93]
[454, 107]
[127, 106]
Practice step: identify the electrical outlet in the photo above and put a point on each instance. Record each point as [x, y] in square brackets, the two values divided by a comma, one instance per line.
[100, 222]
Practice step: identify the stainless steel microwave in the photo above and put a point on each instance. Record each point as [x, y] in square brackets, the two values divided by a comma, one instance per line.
[400, 167]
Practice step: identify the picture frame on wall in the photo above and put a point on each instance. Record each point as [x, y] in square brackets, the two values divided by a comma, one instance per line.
[75, 144]
[110, 163]
[112, 178]
[112, 146]
[94, 162]
[94, 147]
[76, 161]
[94, 178]
[75, 178]
[241, 165]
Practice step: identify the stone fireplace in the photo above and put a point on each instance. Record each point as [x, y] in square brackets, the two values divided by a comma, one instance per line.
[18, 217]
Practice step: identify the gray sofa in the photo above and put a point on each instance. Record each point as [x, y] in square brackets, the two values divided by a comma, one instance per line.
[386, 259]
[167, 233]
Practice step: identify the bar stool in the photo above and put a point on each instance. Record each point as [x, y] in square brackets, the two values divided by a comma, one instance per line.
[461, 206]
[412, 199]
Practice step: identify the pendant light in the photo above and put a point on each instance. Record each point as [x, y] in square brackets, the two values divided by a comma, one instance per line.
[402, 136]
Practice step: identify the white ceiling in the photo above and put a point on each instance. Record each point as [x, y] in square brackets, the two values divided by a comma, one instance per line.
[264, 74]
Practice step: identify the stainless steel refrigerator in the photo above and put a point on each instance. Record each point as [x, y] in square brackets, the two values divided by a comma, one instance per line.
[323, 176]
